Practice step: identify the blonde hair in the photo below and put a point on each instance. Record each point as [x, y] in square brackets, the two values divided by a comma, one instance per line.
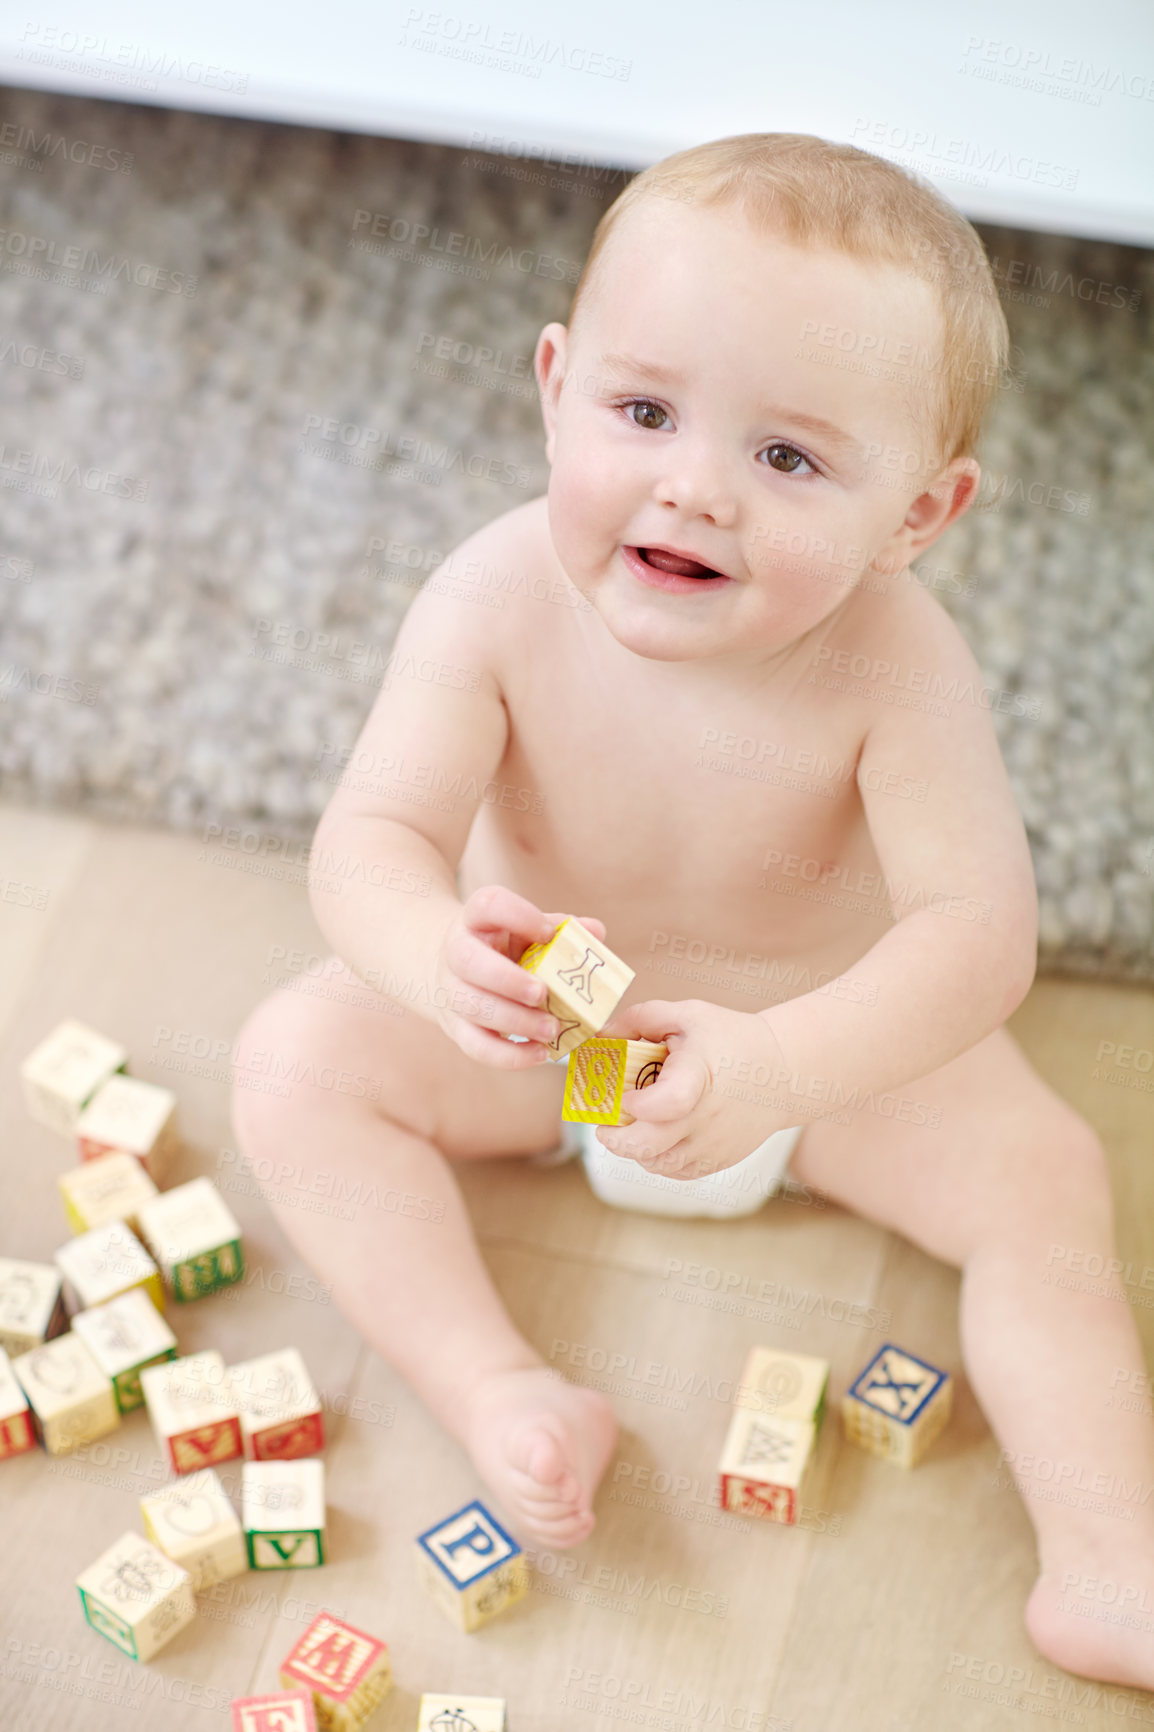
[812, 192]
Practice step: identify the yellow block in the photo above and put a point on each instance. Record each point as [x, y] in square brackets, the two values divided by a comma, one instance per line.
[600, 1070]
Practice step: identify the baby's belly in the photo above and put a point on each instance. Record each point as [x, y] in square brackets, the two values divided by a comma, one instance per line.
[756, 939]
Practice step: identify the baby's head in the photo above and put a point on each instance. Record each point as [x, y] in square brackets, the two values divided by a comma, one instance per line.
[778, 359]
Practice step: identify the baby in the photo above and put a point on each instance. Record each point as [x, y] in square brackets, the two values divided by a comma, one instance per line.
[696, 692]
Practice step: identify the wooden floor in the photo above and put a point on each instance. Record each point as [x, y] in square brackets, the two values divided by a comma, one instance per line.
[896, 1604]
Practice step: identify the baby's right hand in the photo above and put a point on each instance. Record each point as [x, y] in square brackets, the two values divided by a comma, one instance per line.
[484, 994]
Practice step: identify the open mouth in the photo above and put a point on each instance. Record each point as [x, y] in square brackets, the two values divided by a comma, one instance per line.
[676, 564]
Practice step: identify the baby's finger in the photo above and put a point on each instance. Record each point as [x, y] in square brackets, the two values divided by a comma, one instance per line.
[638, 1142]
[492, 1049]
[495, 908]
[480, 966]
[681, 1082]
[654, 1019]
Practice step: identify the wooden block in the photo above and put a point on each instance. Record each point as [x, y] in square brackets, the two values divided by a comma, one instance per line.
[280, 1411]
[462, 1714]
[31, 1305]
[71, 1399]
[136, 1596]
[287, 1711]
[123, 1337]
[600, 1070]
[110, 1188]
[347, 1672]
[897, 1406]
[126, 1113]
[763, 1465]
[195, 1525]
[283, 1505]
[64, 1072]
[102, 1264]
[586, 982]
[790, 1385]
[17, 1432]
[472, 1567]
[192, 1412]
[194, 1237]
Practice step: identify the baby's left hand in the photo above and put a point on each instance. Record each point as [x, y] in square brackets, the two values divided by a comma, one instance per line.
[696, 1118]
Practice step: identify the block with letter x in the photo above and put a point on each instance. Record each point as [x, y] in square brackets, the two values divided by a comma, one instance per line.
[284, 1514]
[346, 1672]
[897, 1406]
[472, 1567]
[586, 982]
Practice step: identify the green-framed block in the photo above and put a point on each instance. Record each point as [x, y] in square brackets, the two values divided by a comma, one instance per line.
[106, 1623]
[126, 1384]
[208, 1272]
[298, 1549]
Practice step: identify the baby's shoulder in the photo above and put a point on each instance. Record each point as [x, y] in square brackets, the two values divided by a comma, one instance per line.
[901, 622]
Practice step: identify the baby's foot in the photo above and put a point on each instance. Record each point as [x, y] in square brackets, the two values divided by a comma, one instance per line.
[1098, 1623]
[541, 1445]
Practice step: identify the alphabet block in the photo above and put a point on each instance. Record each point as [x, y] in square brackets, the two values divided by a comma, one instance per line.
[123, 1337]
[192, 1411]
[64, 1072]
[126, 1113]
[897, 1406]
[31, 1305]
[194, 1524]
[763, 1465]
[136, 1597]
[287, 1711]
[472, 1567]
[194, 1237]
[108, 1261]
[346, 1671]
[110, 1188]
[284, 1514]
[280, 1411]
[17, 1432]
[462, 1714]
[586, 982]
[600, 1070]
[788, 1385]
[71, 1399]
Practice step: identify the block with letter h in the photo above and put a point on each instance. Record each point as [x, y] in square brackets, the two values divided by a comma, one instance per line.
[472, 1567]
[346, 1672]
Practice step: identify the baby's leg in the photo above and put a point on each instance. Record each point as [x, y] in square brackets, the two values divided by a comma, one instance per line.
[412, 1279]
[1010, 1173]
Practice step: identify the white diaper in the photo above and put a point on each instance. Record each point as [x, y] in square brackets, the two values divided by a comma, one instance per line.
[738, 1190]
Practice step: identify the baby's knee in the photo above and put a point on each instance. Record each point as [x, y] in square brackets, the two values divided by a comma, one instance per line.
[1067, 1175]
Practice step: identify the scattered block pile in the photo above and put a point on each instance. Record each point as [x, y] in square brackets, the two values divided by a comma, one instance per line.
[84, 1341]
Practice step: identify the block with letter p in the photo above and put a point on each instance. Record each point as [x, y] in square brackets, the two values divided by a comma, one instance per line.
[472, 1567]
[347, 1672]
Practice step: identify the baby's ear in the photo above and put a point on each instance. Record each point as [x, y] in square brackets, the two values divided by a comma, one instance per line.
[932, 512]
[549, 367]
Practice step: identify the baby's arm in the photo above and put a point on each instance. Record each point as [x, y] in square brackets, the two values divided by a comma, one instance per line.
[958, 960]
[384, 857]
[961, 954]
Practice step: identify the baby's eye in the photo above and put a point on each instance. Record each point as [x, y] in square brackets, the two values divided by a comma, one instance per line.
[646, 408]
[786, 459]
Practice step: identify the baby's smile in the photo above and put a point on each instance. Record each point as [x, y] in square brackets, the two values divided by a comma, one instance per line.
[676, 570]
